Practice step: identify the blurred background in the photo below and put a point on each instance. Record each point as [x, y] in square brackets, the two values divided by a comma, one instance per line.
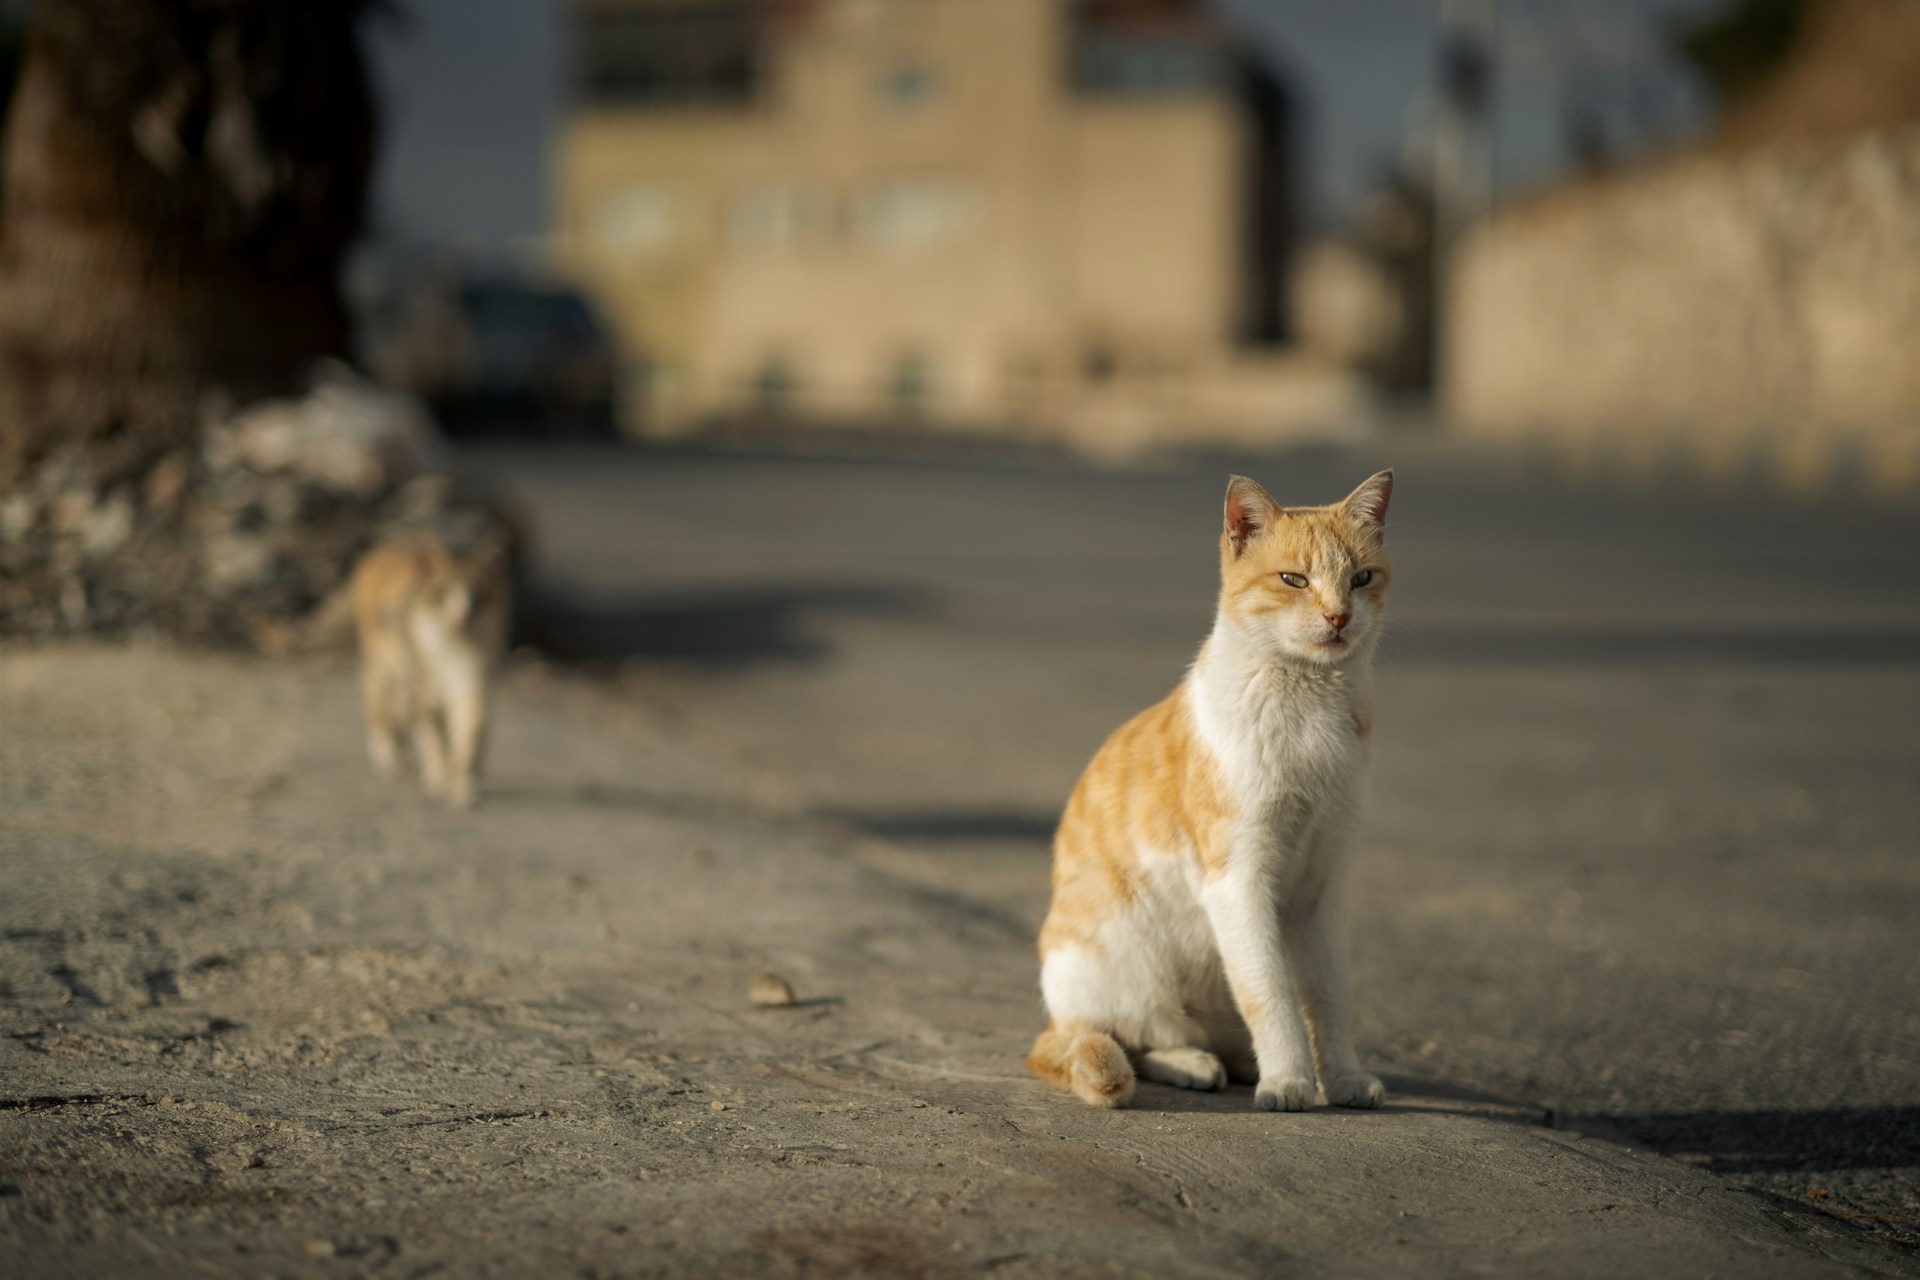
[1123, 224]
[1126, 224]
[865, 375]
[1640, 238]
[1655, 229]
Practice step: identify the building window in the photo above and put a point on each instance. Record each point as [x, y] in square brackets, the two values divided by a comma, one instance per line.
[675, 53]
[915, 213]
[641, 218]
[1123, 67]
[1144, 48]
[777, 215]
[910, 383]
[657, 382]
[773, 385]
[908, 86]
[1100, 362]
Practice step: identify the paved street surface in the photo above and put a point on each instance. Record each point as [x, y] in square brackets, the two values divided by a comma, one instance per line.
[1634, 928]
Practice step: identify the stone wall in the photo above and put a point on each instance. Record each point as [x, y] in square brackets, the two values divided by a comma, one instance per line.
[1735, 312]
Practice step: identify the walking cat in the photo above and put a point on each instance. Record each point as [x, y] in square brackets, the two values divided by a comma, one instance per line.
[432, 606]
[1197, 869]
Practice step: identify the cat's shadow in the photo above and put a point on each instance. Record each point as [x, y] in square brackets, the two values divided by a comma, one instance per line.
[1406, 1094]
[944, 826]
[1821, 1140]
[715, 629]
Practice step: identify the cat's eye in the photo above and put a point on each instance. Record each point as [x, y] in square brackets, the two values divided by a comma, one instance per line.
[1362, 578]
[1294, 579]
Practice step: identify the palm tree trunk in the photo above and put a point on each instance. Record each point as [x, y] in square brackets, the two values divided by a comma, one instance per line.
[181, 180]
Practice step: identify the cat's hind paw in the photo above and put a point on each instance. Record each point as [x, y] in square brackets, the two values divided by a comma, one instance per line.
[1360, 1089]
[1277, 1094]
[1183, 1068]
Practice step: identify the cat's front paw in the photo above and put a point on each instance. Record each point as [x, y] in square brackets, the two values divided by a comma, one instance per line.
[1283, 1094]
[1360, 1089]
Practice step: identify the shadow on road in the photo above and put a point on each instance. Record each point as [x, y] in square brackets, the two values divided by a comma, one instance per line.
[1479, 644]
[719, 629]
[599, 795]
[1404, 1093]
[1784, 1141]
[941, 826]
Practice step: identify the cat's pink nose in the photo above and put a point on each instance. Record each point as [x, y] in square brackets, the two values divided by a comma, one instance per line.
[1338, 621]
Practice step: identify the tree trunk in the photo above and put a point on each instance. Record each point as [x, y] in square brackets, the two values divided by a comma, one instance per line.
[182, 178]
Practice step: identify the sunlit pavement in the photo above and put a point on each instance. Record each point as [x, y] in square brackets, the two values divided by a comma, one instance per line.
[1638, 865]
[1641, 840]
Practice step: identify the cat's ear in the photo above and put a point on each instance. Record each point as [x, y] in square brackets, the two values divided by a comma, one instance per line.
[1249, 510]
[1369, 501]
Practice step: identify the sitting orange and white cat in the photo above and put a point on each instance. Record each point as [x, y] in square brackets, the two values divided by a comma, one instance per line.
[432, 606]
[1197, 869]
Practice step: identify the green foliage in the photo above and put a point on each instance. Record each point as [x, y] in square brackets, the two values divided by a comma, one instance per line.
[1741, 45]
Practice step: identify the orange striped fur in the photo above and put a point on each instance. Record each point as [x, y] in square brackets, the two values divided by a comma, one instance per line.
[1197, 864]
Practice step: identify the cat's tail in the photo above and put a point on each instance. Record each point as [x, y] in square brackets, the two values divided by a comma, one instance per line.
[1085, 1060]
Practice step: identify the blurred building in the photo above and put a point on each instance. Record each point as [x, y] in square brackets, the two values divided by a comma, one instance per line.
[1047, 216]
[1744, 308]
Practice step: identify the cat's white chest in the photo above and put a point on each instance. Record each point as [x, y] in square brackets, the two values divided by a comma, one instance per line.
[1276, 737]
[1289, 754]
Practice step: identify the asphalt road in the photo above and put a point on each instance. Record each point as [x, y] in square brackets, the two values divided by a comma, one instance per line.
[1642, 841]
[1638, 876]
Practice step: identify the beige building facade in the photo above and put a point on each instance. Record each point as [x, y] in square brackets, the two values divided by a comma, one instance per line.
[1011, 215]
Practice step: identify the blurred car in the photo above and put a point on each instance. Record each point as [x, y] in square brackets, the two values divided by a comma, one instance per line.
[495, 353]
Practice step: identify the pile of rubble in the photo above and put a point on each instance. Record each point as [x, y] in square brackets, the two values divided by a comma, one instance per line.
[244, 540]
